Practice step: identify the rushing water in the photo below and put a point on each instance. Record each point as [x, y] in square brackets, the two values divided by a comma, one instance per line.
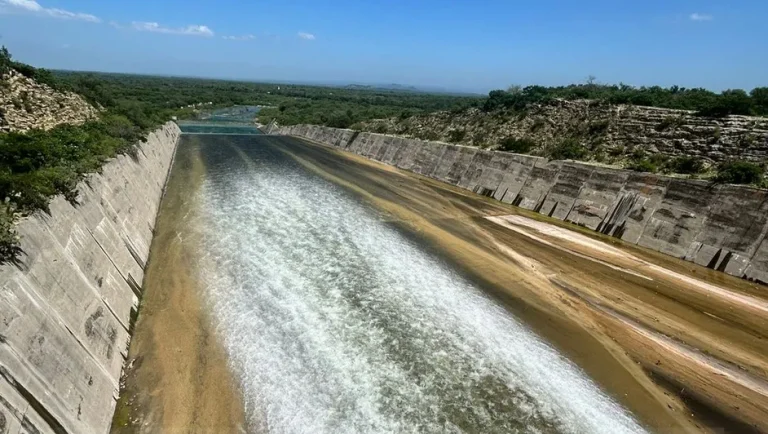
[334, 321]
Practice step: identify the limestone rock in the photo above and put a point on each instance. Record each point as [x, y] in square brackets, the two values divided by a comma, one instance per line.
[26, 104]
[615, 131]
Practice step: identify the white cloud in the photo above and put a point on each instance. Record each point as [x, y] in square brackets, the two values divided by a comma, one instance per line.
[191, 30]
[307, 36]
[31, 6]
[700, 17]
[239, 38]
[59, 13]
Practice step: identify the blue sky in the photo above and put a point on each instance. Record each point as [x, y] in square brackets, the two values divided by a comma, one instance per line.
[459, 45]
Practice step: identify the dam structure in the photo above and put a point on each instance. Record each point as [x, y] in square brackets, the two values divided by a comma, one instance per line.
[227, 280]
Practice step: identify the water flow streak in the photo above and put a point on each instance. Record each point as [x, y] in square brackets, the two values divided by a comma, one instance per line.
[335, 321]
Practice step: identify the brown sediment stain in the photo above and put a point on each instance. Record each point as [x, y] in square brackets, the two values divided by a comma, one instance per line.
[178, 379]
[672, 303]
[634, 320]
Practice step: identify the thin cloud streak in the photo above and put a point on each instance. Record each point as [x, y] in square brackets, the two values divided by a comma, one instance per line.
[239, 38]
[700, 17]
[307, 36]
[33, 7]
[191, 30]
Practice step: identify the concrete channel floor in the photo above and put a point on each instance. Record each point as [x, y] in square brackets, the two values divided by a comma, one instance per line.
[681, 346]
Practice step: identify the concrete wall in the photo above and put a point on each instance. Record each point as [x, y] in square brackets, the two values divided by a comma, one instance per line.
[66, 307]
[719, 226]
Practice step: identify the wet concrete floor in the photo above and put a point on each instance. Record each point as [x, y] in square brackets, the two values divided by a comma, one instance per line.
[296, 288]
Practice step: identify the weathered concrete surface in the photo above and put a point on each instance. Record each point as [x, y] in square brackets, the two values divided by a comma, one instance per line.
[66, 307]
[722, 227]
[598, 195]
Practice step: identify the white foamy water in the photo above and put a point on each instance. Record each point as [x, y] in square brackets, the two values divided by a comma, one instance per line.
[335, 322]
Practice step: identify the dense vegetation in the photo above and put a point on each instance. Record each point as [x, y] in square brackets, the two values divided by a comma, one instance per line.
[516, 145]
[703, 101]
[287, 104]
[37, 165]
[40, 164]
[740, 172]
[343, 107]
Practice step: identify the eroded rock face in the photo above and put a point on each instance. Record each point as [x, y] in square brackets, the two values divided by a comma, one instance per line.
[26, 104]
[611, 132]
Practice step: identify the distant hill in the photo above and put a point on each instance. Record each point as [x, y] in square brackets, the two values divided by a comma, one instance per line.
[395, 87]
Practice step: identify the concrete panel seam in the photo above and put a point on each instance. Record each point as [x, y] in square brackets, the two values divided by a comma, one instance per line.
[55, 315]
[525, 181]
[32, 402]
[761, 237]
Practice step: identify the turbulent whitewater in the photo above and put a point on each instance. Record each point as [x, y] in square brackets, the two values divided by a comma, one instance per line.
[335, 321]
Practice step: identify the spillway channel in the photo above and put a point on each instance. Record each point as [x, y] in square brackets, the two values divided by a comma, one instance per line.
[335, 320]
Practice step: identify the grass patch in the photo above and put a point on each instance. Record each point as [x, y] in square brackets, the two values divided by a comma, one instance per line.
[568, 149]
[518, 146]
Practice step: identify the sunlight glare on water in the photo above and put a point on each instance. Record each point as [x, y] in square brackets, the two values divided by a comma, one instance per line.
[336, 322]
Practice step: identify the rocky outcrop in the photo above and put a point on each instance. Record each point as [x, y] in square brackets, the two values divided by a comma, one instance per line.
[722, 227]
[66, 306]
[26, 104]
[611, 133]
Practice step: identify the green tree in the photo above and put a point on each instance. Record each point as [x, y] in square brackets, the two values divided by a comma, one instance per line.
[568, 149]
[705, 102]
[740, 172]
[6, 61]
[518, 146]
[686, 165]
[456, 136]
[643, 165]
[760, 99]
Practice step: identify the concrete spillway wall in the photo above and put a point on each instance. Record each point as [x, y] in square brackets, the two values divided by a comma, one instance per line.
[719, 226]
[66, 306]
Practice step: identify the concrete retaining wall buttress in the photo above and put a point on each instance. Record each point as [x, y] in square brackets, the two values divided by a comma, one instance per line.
[66, 307]
[718, 226]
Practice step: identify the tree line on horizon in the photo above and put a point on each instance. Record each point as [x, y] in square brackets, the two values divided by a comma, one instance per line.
[345, 108]
[702, 101]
